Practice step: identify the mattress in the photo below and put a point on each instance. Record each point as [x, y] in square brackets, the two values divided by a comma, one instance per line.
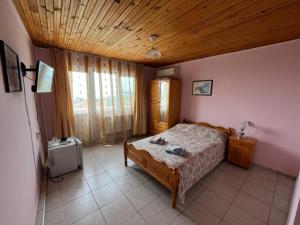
[205, 150]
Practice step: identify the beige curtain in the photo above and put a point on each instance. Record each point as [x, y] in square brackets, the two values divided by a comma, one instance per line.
[139, 109]
[104, 98]
[64, 117]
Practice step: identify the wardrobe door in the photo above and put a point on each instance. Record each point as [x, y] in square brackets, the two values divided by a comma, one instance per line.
[164, 87]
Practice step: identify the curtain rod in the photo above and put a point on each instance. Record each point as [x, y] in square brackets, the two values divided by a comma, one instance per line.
[69, 51]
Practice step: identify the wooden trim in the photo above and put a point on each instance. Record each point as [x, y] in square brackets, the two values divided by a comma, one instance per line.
[159, 170]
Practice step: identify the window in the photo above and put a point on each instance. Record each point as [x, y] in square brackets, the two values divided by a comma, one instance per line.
[110, 93]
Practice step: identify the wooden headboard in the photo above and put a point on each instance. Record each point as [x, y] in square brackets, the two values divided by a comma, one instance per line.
[228, 131]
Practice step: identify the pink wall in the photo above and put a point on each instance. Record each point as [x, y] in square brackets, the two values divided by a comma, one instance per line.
[260, 85]
[18, 174]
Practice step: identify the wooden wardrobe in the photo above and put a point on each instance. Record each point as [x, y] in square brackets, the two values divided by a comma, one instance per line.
[164, 104]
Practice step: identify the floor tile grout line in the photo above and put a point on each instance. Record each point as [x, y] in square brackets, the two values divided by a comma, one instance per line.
[127, 200]
[231, 204]
[96, 202]
[273, 197]
[138, 211]
[240, 191]
[204, 189]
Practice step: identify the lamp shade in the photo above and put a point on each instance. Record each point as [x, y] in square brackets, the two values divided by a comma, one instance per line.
[153, 53]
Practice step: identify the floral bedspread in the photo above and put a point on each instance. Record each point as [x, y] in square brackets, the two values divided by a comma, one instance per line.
[205, 147]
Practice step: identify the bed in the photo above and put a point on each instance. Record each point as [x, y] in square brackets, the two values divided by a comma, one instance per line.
[204, 143]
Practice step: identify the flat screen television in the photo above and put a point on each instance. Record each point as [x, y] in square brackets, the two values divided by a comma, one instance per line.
[44, 78]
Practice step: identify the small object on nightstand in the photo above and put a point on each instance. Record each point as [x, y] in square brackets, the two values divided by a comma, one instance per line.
[241, 151]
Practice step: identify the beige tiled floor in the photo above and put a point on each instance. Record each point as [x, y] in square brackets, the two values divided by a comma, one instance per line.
[106, 192]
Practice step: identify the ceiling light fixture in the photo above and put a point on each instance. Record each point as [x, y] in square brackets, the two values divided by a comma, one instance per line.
[153, 52]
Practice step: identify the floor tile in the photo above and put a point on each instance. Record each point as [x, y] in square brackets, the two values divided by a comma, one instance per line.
[78, 208]
[118, 211]
[109, 164]
[281, 202]
[223, 223]
[277, 217]
[158, 213]
[258, 191]
[94, 218]
[252, 206]
[284, 190]
[52, 187]
[285, 186]
[265, 173]
[237, 171]
[53, 200]
[118, 172]
[232, 178]
[99, 180]
[214, 203]
[190, 196]
[266, 183]
[72, 178]
[141, 196]
[223, 190]
[92, 168]
[206, 180]
[285, 180]
[55, 216]
[199, 213]
[107, 194]
[74, 191]
[135, 220]
[219, 169]
[184, 220]
[141, 175]
[156, 187]
[236, 216]
[128, 183]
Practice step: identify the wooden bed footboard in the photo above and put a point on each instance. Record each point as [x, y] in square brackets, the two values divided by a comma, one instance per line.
[159, 170]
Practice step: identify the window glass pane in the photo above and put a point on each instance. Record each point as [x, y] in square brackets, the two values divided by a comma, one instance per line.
[127, 89]
[79, 92]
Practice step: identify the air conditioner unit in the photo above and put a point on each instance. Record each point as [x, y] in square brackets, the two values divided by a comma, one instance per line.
[168, 72]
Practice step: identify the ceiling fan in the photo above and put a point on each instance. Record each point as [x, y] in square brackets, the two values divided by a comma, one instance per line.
[153, 52]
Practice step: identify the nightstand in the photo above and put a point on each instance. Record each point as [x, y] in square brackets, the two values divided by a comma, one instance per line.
[241, 151]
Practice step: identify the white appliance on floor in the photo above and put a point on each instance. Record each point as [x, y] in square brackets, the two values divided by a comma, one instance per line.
[64, 157]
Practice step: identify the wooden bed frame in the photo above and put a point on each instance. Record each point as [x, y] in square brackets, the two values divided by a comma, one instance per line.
[167, 176]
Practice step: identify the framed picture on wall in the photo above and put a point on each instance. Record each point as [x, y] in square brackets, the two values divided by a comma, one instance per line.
[202, 87]
[10, 68]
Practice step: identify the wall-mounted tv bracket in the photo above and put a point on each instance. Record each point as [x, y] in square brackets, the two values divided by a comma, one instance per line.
[24, 70]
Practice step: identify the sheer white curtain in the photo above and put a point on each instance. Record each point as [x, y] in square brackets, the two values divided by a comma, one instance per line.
[103, 97]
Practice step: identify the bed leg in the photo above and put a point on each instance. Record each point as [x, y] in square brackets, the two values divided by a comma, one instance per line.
[125, 152]
[174, 181]
[174, 199]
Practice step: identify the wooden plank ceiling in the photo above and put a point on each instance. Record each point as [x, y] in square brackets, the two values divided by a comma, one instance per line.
[187, 29]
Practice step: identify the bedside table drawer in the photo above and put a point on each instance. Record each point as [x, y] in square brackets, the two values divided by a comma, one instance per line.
[240, 144]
